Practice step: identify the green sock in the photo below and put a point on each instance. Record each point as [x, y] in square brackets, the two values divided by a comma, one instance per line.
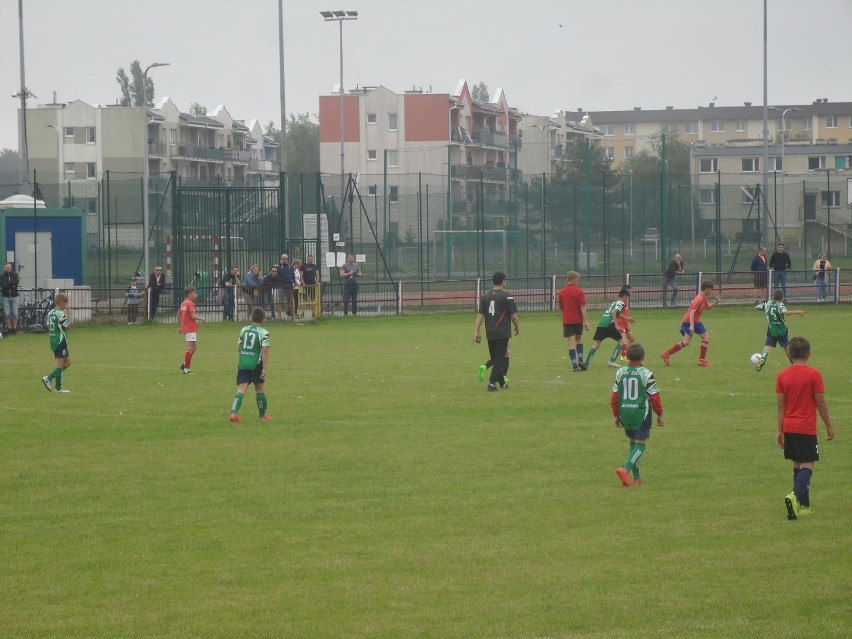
[56, 372]
[261, 403]
[57, 375]
[632, 464]
[591, 355]
[236, 402]
[615, 353]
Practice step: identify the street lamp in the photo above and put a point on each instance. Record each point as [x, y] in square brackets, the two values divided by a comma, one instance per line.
[58, 137]
[145, 214]
[339, 16]
[783, 113]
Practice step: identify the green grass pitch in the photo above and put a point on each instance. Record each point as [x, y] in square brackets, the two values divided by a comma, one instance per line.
[393, 497]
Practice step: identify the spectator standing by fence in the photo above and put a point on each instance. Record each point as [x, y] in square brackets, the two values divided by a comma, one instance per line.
[674, 269]
[759, 270]
[780, 263]
[156, 284]
[252, 287]
[821, 268]
[272, 293]
[230, 284]
[350, 272]
[132, 296]
[310, 277]
[9, 283]
[288, 281]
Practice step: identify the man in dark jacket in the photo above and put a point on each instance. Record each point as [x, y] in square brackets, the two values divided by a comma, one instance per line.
[780, 263]
[759, 268]
[287, 279]
[156, 284]
[9, 282]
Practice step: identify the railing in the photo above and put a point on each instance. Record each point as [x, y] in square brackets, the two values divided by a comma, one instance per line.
[648, 291]
[483, 136]
[156, 149]
[263, 166]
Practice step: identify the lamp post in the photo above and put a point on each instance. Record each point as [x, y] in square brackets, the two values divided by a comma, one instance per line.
[58, 136]
[145, 213]
[783, 113]
[339, 16]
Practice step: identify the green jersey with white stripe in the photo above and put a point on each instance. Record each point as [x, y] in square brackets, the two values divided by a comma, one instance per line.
[252, 340]
[57, 322]
[775, 311]
[606, 318]
[634, 384]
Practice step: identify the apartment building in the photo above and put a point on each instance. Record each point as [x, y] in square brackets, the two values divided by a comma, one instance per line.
[76, 143]
[546, 138]
[414, 136]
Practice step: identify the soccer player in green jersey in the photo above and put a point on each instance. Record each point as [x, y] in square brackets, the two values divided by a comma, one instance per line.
[608, 325]
[634, 395]
[253, 346]
[57, 324]
[776, 334]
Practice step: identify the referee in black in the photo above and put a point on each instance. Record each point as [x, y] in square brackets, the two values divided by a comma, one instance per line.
[497, 308]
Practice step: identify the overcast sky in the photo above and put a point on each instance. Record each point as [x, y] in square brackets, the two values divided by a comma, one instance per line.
[545, 54]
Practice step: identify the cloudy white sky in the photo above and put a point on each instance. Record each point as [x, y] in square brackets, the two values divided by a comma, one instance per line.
[545, 54]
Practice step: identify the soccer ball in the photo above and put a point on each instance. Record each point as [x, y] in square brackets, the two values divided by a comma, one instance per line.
[755, 359]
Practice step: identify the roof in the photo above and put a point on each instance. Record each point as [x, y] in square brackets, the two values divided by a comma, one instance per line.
[20, 202]
[201, 121]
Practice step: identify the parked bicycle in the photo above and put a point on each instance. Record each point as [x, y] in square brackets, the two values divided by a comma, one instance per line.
[32, 313]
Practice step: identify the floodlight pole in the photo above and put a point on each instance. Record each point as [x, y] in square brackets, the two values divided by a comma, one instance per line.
[145, 212]
[783, 165]
[339, 16]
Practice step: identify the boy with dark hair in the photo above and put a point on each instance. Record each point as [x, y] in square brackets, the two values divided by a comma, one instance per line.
[187, 320]
[692, 324]
[497, 309]
[57, 324]
[776, 333]
[607, 325]
[801, 394]
[253, 346]
[634, 395]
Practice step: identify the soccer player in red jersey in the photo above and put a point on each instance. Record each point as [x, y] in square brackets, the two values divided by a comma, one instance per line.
[692, 324]
[572, 303]
[187, 320]
[801, 394]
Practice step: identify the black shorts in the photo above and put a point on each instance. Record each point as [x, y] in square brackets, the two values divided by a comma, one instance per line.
[773, 340]
[251, 376]
[603, 332]
[61, 351]
[570, 330]
[801, 448]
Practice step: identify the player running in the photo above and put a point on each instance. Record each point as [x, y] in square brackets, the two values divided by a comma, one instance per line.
[253, 346]
[692, 324]
[608, 325]
[57, 324]
[776, 333]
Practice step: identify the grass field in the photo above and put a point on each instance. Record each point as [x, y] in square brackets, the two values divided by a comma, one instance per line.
[393, 497]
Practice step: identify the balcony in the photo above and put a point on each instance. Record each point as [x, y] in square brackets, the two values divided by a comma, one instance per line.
[156, 149]
[487, 138]
[236, 156]
[490, 173]
[265, 166]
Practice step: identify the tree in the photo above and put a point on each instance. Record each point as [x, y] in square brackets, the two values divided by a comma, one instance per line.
[480, 92]
[197, 109]
[131, 88]
[302, 143]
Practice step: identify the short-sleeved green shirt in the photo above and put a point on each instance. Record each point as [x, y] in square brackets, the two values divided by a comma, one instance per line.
[57, 322]
[252, 340]
[634, 384]
[775, 311]
[606, 318]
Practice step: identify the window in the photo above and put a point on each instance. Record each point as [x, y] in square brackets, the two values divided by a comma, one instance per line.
[69, 131]
[830, 198]
[393, 158]
[750, 165]
[741, 126]
[608, 152]
[607, 129]
[668, 127]
[785, 124]
[91, 168]
[816, 162]
[628, 152]
[629, 129]
[775, 165]
[808, 124]
[69, 167]
[372, 190]
[393, 193]
[691, 128]
[843, 162]
[708, 165]
[393, 122]
[831, 122]
[371, 118]
[717, 126]
[746, 194]
[90, 135]
[172, 137]
[372, 155]
[707, 196]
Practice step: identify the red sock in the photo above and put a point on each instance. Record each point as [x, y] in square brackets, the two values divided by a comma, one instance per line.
[703, 351]
[674, 349]
[624, 350]
[187, 359]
